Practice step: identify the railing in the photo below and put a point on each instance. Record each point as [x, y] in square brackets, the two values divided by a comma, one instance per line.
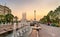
[5, 28]
[23, 31]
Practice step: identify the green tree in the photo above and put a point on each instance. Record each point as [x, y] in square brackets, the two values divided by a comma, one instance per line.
[9, 18]
[16, 19]
[2, 18]
[52, 16]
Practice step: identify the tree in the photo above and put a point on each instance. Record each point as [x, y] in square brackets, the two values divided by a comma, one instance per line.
[52, 16]
[2, 18]
[9, 18]
[16, 18]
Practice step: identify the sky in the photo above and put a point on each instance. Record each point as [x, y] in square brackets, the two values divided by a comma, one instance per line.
[42, 7]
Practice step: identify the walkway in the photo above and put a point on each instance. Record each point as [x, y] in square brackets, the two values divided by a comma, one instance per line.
[5, 28]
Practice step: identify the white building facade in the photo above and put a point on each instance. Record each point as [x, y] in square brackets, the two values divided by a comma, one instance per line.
[4, 10]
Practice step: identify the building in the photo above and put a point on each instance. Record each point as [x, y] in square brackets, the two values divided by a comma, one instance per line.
[23, 16]
[4, 10]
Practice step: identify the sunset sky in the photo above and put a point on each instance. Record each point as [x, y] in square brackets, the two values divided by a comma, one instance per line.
[42, 7]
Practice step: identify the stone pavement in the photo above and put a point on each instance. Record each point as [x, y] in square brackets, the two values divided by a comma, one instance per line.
[33, 33]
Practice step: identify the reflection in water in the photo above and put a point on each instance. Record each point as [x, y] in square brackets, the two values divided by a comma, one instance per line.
[9, 34]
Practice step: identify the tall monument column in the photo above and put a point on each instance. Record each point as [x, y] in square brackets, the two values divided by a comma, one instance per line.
[34, 15]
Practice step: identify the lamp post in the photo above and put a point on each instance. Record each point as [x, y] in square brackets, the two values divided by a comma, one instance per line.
[14, 27]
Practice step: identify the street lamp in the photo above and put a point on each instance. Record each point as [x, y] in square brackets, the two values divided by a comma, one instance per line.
[14, 27]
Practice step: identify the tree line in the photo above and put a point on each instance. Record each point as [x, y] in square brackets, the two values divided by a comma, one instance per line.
[52, 17]
[8, 18]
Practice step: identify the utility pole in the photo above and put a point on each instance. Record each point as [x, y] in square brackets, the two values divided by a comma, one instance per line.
[14, 28]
